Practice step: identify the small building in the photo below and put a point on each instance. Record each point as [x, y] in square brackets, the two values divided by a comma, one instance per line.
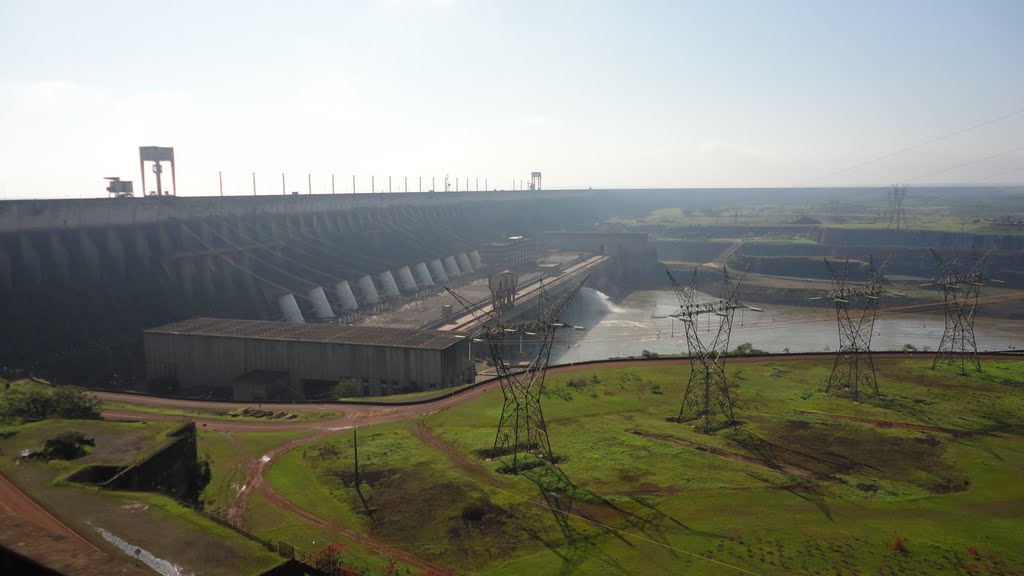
[256, 360]
[513, 253]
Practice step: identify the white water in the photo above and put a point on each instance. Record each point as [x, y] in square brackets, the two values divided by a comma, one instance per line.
[640, 322]
[160, 565]
[598, 302]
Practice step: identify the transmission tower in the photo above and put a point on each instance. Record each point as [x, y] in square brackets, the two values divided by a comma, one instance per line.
[521, 428]
[853, 367]
[897, 215]
[707, 391]
[960, 294]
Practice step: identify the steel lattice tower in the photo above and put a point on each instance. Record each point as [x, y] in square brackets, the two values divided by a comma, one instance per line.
[853, 367]
[521, 428]
[960, 295]
[897, 214]
[707, 390]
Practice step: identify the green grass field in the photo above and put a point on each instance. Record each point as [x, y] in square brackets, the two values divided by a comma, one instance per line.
[790, 491]
[930, 211]
[227, 455]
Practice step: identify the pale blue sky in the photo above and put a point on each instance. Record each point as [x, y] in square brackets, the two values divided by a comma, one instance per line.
[592, 93]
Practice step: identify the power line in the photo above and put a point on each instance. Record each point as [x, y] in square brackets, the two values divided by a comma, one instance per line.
[1004, 153]
[998, 174]
[909, 148]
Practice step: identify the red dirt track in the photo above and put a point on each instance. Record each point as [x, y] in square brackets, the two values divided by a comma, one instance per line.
[16, 503]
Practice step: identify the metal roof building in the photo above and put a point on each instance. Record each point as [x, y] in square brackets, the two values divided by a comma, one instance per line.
[260, 360]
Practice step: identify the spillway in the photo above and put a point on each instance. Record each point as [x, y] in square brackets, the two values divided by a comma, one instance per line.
[423, 277]
[345, 295]
[290, 309]
[438, 272]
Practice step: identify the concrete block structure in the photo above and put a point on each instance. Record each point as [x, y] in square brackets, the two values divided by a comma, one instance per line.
[513, 253]
[255, 360]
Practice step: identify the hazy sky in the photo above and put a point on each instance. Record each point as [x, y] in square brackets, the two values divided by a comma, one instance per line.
[592, 93]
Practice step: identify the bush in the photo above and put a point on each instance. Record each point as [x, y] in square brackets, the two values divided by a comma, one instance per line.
[747, 349]
[647, 354]
[66, 446]
[203, 475]
[577, 384]
[35, 403]
[74, 403]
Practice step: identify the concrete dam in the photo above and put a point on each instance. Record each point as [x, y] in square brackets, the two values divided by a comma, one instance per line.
[81, 279]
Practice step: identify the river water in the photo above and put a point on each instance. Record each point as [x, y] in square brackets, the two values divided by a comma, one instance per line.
[640, 322]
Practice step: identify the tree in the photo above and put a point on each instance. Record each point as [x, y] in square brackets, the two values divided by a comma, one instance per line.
[30, 405]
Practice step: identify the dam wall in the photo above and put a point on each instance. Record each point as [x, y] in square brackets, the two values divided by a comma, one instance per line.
[81, 279]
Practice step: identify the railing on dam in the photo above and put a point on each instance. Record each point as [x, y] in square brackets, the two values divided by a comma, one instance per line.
[28, 215]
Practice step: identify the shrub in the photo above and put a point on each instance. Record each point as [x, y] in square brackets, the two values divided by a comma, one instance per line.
[576, 384]
[203, 475]
[72, 402]
[35, 403]
[746, 349]
[66, 446]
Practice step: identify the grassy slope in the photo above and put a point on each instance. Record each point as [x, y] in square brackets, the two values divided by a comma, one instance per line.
[677, 500]
[154, 522]
[220, 543]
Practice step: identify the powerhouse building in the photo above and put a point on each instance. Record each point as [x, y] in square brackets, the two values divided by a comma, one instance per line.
[260, 360]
